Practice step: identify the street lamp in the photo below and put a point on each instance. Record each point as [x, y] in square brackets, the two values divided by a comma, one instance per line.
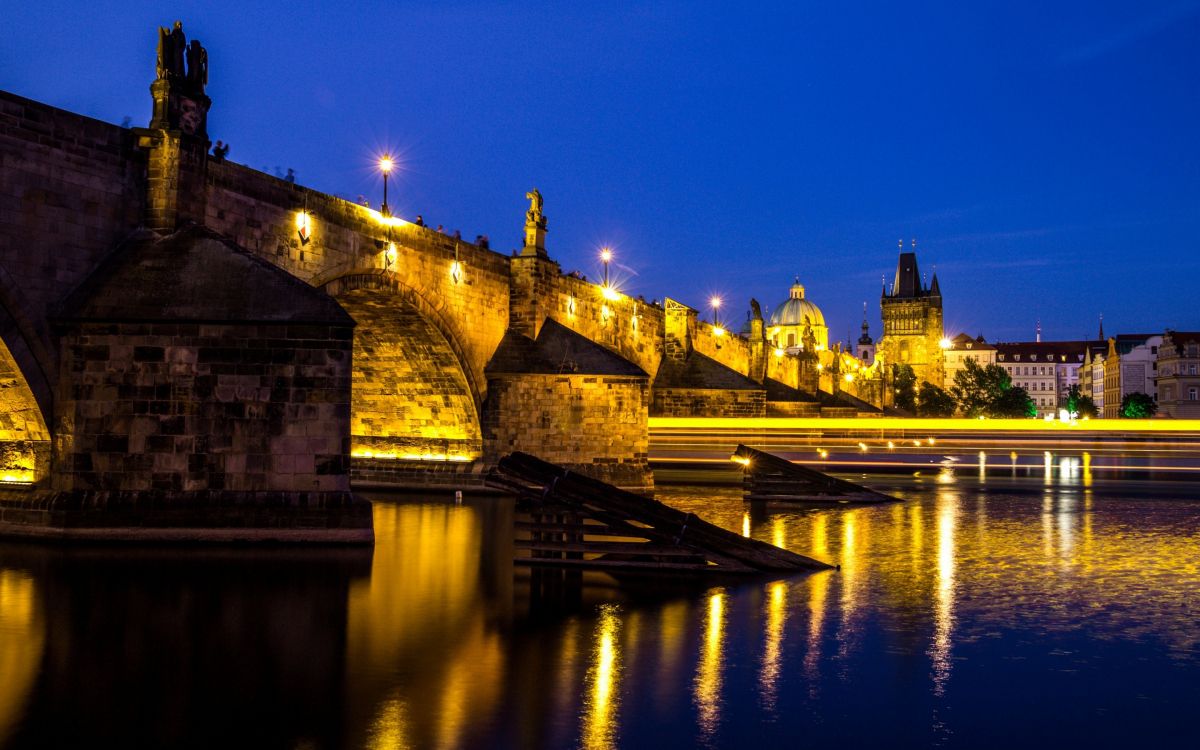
[605, 258]
[385, 166]
[715, 303]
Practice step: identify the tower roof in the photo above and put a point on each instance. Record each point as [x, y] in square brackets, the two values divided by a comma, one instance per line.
[908, 277]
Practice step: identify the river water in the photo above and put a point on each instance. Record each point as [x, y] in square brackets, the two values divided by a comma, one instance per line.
[1022, 611]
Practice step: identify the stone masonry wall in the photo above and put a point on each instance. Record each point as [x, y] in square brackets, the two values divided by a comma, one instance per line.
[71, 189]
[410, 396]
[259, 212]
[193, 407]
[708, 402]
[594, 424]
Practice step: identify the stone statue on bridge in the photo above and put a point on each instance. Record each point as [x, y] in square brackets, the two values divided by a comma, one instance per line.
[197, 62]
[171, 48]
[534, 215]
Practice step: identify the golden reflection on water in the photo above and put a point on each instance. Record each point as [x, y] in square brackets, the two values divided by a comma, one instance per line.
[603, 680]
[943, 618]
[776, 615]
[22, 638]
[419, 615]
[709, 677]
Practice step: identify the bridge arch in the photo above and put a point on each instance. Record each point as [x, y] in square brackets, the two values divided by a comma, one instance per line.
[26, 395]
[414, 391]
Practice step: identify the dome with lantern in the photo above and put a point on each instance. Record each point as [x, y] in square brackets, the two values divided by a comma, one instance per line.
[791, 319]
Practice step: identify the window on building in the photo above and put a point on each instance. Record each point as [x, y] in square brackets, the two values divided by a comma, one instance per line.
[791, 339]
[1191, 369]
[1192, 394]
[1154, 350]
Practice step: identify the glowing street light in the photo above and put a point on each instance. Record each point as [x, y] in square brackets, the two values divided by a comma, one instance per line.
[385, 166]
[945, 343]
[605, 258]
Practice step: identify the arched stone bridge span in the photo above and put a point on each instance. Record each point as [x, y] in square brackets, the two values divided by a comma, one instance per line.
[223, 361]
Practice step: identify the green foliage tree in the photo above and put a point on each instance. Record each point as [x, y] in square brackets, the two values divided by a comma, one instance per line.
[1138, 406]
[934, 402]
[989, 392]
[1079, 404]
[905, 382]
[1012, 403]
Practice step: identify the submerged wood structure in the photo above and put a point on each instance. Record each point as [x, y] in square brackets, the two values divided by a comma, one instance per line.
[577, 522]
[776, 481]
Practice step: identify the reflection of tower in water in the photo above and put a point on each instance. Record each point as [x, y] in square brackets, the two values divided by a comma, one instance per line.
[943, 614]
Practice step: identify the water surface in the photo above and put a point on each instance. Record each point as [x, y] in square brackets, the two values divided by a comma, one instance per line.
[1037, 612]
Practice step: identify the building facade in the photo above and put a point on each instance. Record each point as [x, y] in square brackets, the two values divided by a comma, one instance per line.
[962, 347]
[912, 322]
[1130, 366]
[1048, 369]
[1179, 375]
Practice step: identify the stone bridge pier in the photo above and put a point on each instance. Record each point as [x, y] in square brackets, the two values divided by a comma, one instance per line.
[194, 350]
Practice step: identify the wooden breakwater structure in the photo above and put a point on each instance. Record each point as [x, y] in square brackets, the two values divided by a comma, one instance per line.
[769, 479]
[572, 521]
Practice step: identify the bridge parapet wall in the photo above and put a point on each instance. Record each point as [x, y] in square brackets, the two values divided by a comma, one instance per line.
[469, 297]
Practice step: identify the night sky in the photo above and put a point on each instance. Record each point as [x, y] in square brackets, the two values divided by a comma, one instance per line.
[1046, 159]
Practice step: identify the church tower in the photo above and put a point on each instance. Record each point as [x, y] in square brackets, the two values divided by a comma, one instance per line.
[912, 321]
[866, 345]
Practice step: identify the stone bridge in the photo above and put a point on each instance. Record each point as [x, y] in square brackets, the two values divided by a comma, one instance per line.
[179, 326]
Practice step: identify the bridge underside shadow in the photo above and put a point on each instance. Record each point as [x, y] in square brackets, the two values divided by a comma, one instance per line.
[410, 397]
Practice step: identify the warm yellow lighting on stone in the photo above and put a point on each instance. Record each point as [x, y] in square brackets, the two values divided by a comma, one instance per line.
[570, 305]
[456, 272]
[778, 352]
[610, 293]
[849, 377]
[718, 331]
[390, 254]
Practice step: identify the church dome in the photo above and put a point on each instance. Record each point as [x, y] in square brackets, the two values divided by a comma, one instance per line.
[795, 311]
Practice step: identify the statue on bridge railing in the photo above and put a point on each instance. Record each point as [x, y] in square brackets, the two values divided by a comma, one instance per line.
[173, 48]
[534, 214]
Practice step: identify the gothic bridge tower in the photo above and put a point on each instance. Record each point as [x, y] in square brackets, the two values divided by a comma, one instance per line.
[912, 321]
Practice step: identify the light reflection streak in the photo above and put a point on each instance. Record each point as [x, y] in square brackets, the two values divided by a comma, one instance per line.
[777, 532]
[943, 617]
[776, 612]
[707, 685]
[603, 681]
[22, 639]
[816, 623]
[746, 525]
[672, 621]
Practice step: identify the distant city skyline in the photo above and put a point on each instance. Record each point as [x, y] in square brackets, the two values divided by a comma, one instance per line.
[1045, 160]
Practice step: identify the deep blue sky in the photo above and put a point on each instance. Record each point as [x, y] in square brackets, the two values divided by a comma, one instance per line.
[1046, 156]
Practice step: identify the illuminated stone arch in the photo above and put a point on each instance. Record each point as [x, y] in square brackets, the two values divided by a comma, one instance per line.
[26, 396]
[413, 393]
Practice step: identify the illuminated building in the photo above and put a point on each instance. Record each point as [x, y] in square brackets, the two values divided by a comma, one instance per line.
[1179, 375]
[795, 318]
[963, 347]
[1047, 369]
[912, 321]
[1129, 367]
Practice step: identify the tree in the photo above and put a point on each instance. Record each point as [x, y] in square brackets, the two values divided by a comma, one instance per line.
[1138, 406]
[989, 392]
[1012, 403]
[1079, 404]
[934, 402]
[905, 381]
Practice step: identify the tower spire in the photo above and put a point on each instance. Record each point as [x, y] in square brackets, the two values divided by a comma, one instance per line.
[1039, 330]
[1102, 326]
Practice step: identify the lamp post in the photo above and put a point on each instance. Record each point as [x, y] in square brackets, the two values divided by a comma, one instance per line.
[385, 166]
[715, 303]
[605, 258]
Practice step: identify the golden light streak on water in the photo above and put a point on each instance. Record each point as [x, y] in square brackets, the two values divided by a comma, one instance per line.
[672, 623]
[706, 691]
[22, 638]
[779, 532]
[599, 730]
[746, 525]
[820, 536]
[818, 584]
[943, 615]
[390, 727]
[1087, 469]
[776, 614]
